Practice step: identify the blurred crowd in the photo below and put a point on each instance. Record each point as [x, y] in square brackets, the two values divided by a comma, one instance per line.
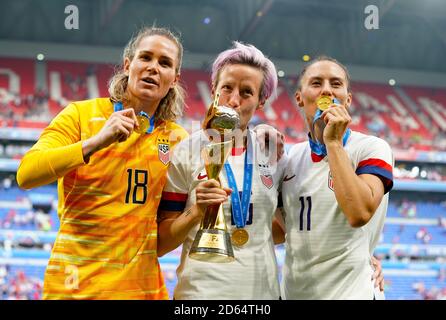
[35, 107]
[18, 286]
[432, 293]
[17, 107]
[33, 219]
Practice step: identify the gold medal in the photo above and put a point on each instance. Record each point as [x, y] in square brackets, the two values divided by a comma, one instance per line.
[239, 237]
[323, 103]
[144, 124]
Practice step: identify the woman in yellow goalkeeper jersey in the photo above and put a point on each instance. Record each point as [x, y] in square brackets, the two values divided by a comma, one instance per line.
[109, 156]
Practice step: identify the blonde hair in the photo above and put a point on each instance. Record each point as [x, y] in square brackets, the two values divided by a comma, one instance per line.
[171, 106]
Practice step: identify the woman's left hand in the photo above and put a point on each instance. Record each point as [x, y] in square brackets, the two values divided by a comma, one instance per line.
[271, 140]
[378, 274]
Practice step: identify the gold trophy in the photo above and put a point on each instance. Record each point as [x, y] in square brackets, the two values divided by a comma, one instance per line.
[212, 242]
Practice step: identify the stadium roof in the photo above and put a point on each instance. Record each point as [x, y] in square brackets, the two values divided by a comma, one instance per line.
[410, 35]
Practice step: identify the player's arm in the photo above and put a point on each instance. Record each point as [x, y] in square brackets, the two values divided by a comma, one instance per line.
[57, 151]
[60, 149]
[278, 227]
[358, 196]
[174, 226]
[378, 274]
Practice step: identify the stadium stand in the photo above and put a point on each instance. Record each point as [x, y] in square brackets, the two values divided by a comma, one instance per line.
[405, 112]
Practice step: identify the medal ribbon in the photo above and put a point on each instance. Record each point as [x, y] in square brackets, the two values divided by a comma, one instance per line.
[320, 149]
[240, 208]
[117, 106]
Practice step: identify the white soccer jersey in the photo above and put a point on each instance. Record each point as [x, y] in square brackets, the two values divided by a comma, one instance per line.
[326, 258]
[254, 273]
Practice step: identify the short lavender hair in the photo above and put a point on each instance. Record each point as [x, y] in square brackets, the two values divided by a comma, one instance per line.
[249, 55]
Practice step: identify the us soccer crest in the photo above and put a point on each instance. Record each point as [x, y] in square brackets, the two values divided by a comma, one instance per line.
[330, 181]
[265, 175]
[163, 151]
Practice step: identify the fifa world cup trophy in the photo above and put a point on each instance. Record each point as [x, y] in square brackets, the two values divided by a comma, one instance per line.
[213, 242]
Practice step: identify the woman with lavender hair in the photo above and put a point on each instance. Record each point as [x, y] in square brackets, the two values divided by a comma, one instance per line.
[245, 79]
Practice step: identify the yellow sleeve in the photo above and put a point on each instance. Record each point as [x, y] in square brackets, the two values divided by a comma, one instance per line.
[58, 151]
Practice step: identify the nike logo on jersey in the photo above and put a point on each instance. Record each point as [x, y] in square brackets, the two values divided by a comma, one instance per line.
[286, 178]
[201, 176]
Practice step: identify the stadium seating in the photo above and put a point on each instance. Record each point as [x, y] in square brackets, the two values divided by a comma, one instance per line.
[399, 285]
[404, 287]
[401, 115]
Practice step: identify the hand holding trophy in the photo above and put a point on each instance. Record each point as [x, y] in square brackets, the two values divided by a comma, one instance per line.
[212, 242]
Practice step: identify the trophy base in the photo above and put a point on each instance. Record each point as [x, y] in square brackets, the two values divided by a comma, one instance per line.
[212, 245]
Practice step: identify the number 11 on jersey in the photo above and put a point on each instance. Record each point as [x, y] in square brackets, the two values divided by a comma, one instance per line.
[302, 211]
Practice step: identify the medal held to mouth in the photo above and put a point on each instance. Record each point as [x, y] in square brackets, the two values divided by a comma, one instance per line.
[143, 121]
[323, 102]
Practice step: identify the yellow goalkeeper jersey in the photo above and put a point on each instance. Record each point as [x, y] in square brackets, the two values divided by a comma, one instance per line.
[106, 244]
